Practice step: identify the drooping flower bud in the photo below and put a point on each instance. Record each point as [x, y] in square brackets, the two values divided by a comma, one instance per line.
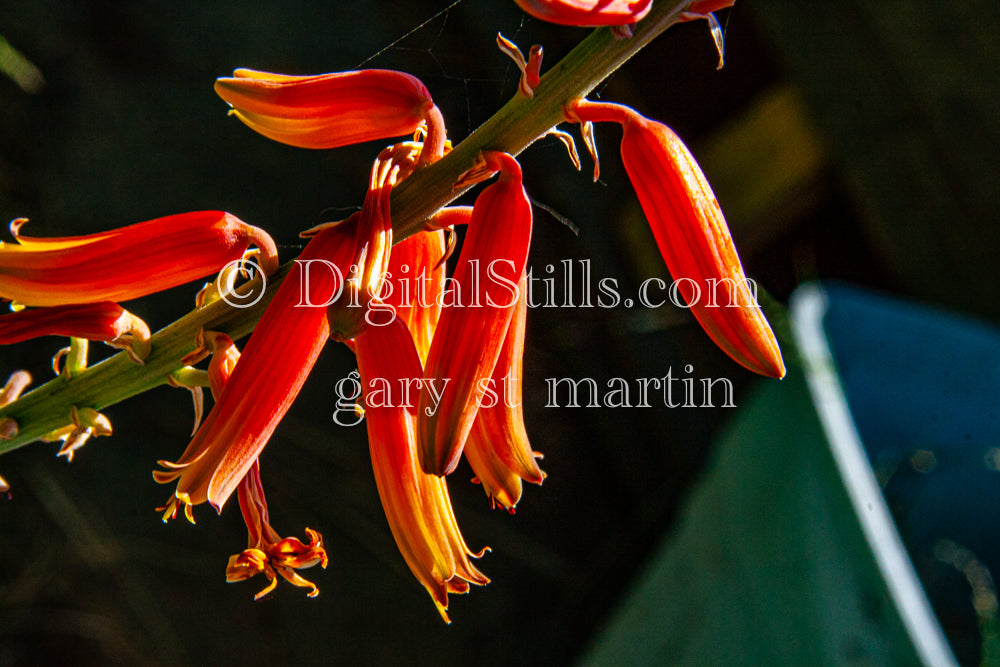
[474, 321]
[272, 369]
[692, 236]
[497, 447]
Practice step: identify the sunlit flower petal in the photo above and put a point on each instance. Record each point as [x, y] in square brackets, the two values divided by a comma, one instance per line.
[416, 504]
[128, 262]
[360, 305]
[589, 13]
[692, 235]
[474, 324]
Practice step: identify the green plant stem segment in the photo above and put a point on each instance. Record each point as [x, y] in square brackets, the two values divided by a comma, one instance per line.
[512, 129]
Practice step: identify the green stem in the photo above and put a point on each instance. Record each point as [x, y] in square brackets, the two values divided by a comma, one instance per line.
[512, 129]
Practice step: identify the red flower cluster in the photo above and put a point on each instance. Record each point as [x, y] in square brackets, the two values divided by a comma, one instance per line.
[451, 353]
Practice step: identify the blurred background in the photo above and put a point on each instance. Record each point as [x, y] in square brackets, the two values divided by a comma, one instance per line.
[855, 141]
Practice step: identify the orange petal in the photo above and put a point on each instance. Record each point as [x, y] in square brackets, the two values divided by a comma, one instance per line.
[589, 13]
[416, 504]
[129, 262]
[327, 110]
[693, 237]
[472, 330]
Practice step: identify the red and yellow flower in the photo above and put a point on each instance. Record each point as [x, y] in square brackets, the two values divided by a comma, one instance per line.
[332, 110]
[275, 363]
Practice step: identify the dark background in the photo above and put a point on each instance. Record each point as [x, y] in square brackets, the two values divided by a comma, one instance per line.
[849, 140]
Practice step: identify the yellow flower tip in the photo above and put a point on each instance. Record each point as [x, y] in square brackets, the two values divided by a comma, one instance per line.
[176, 501]
[5, 487]
[15, 226]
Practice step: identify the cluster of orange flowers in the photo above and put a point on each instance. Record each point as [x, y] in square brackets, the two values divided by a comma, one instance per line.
[445, 352]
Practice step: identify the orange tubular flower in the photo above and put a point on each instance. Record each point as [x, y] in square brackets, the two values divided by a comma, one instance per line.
[267, 553]
[128, 262]
[497, 448]
[588, 13]
[692, 235]
[105, 321]
[471, 332]
[416, 504]
[331, 110]
[275, 362]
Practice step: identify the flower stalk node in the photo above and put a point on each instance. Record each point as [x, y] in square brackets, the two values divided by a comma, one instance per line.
[14, 387]
[86, 423]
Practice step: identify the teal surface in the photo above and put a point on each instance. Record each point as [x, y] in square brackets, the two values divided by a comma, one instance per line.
[784, 553]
